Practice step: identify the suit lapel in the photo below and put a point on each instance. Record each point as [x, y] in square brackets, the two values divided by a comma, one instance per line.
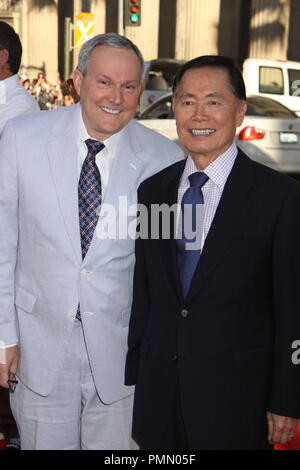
[62, 154]
[170, 184]
[227, 220]
[124, 178]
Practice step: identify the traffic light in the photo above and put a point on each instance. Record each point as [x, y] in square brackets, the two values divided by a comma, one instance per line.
[133, 12]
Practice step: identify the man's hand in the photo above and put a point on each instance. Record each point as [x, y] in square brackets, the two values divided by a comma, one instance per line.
[8, 364]
[281, 428]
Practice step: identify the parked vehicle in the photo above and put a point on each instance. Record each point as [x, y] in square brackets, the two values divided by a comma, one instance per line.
[158, 79]
[270, 133]
[275, 79]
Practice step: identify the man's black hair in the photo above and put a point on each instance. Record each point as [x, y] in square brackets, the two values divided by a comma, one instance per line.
[10, 41]
[235, 77]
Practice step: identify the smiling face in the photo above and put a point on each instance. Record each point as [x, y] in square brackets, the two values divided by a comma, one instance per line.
[207, 113]
[109, 91]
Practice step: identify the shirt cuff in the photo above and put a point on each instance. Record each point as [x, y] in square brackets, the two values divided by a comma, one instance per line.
[4, 346]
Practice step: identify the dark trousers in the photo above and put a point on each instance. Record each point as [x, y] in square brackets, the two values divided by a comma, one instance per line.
[172, 437]
[7, 423]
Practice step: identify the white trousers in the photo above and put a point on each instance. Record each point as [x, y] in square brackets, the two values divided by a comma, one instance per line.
[72, 417]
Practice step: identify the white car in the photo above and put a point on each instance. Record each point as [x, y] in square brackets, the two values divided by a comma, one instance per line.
[278, 80]
[270, 133]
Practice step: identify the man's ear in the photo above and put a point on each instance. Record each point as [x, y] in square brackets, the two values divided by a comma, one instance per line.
[241, 111]
[4, 55]
[77, 79]
[173, 104]
[140, 94]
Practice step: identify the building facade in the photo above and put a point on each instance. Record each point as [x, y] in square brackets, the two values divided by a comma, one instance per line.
[180, 29]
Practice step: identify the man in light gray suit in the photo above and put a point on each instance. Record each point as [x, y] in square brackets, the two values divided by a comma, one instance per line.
[65, 285]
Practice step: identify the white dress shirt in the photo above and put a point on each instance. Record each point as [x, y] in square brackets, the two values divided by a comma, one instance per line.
[218, 172]
[104, 159]
[14, 100]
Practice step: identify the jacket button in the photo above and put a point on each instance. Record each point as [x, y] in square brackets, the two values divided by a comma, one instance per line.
[184, 313]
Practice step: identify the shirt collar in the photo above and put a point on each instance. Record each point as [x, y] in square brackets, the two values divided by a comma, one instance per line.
[6, 85]
[218, 171]
[83, 135]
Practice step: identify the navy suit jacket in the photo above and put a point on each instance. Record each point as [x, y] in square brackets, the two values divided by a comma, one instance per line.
[227, 347]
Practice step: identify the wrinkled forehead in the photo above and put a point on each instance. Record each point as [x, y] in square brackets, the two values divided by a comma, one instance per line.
[118, 59]
[218, 75]
[211, 79]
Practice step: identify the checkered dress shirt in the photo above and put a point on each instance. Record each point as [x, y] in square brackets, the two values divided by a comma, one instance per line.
[218, 172]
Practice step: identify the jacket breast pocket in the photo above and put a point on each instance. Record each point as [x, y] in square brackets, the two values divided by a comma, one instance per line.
[24, 300]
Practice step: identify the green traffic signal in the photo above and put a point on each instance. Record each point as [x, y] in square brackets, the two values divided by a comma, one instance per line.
[134, 18]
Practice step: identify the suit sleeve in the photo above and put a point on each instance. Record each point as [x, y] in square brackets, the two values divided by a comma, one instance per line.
[139, 313]
[285, 392]
[8, 235]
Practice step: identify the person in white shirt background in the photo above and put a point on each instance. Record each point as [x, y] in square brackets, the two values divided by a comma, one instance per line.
[14, 101]
[14, 98]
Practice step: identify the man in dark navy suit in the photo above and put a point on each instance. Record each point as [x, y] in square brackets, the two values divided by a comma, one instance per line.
[213, 327]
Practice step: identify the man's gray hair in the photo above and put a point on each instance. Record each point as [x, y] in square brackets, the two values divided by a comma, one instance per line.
[108, 39]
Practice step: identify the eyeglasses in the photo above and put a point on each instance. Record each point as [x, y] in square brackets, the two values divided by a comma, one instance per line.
[12, 382]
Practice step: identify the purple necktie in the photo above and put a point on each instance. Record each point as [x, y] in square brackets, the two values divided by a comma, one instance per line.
[187, 259]
[89, 197]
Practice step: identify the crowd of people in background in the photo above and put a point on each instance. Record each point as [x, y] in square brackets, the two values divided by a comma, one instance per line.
[50, 96]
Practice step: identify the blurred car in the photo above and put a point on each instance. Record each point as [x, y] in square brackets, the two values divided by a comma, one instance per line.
[158, 79]
[270, 133]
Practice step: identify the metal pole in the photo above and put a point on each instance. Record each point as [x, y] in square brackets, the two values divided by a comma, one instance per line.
[121, 17]
[67, 44]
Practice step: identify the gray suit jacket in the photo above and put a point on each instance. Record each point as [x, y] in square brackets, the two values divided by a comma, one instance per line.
[42, 275]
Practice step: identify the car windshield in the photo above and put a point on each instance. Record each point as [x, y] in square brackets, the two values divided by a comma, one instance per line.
[258, 106]
[160, 109]
[160, 73]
